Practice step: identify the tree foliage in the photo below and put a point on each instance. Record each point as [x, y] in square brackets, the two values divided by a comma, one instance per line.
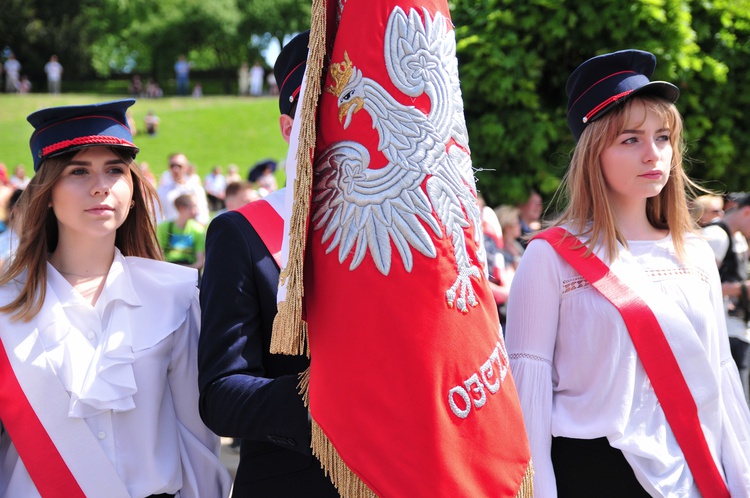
[105, 37]
[515, 57]
[36, 30]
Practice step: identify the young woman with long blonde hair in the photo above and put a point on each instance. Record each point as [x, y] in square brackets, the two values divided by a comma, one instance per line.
[615, 329]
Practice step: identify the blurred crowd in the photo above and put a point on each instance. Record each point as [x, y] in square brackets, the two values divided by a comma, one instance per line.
[188, 203]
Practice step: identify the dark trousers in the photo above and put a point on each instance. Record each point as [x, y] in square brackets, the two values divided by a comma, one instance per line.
[592, 468]
[741, 354]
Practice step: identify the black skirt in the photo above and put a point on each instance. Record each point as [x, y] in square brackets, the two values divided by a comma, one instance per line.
[592, 468]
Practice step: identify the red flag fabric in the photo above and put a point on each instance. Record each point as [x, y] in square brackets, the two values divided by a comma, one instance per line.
[409, 377]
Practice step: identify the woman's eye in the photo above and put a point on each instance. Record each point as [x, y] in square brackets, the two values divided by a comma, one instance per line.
[663, 138]
[78, 171]
[630, 140]
[117, 170]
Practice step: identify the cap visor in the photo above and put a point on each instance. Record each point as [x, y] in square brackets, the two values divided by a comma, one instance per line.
[661, 89]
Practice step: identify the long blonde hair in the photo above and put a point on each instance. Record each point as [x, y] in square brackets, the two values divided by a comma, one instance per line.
[39, 235]
[589, 211]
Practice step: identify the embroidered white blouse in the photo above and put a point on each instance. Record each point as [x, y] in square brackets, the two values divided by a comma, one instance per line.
[578, 374]
[129, 367]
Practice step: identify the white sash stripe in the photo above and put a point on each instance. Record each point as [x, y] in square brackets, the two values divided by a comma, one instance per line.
[291, 176]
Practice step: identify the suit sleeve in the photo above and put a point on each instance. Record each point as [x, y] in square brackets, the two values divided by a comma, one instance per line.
[238, 300]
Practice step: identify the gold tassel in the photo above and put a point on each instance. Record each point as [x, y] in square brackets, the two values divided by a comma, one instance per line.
[289, 330]
[527, 484]
[304, 386]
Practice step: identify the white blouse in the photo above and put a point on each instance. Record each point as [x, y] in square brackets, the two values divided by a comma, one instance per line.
[129, 365]
[578, 374]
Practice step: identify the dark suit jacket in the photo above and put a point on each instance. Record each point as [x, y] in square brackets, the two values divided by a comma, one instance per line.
[246, 392]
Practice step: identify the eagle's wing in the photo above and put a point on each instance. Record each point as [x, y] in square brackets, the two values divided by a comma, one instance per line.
[363, 210]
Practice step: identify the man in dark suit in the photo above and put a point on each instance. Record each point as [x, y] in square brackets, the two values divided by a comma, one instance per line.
[245, 391]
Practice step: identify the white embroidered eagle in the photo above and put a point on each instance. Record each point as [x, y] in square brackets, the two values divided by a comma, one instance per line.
[428, 183]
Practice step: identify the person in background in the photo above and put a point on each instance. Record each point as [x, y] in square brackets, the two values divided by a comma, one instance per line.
[135, 88]
[512, 250]
[178, 183]
[215, 185]
[243, 80]
[233, 174]
[131, 123]
[273, 87]
[182, 75]
[262, 175]
[147, 173]
[19, 180]
[247, 393]
[151, 121]
[530, 214]
[183, 240]
[12, 73]
[9, 238]
[193, 178]
[240, 193]
[727, 236]
[24, 85]
[54, 71]
[153, 89]
[98, 335]
[616, 318]
[707, 208]
[499, 279]
[257, 75]
[6, 191]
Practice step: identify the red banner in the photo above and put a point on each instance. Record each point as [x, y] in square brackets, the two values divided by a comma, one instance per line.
[409, 376]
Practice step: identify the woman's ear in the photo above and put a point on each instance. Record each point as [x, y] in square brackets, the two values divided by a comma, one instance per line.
[285, 123]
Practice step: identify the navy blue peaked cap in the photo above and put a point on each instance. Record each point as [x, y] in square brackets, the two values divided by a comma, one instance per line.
[605, 81]
[289, 69]
[58, 130]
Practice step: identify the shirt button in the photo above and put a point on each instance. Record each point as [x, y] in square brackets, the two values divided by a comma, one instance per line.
[101, 435]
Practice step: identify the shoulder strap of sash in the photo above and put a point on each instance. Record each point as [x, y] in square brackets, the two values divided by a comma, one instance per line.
[267, 223]
[45, 465]
[655, 354]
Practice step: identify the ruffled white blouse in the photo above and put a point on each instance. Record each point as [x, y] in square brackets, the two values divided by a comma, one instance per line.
[129, 364]
[578, 374]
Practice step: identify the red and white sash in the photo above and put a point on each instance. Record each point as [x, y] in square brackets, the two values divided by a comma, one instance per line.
[61, 454]
[266, 218]
[655, 354]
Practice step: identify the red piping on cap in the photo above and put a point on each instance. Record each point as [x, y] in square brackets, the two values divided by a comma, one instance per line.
[598, 108]
[90, 140]
[281, 88]
[592, 86]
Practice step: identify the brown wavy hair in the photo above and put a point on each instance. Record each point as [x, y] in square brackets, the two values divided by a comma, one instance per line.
[39, 233]
[589, 212]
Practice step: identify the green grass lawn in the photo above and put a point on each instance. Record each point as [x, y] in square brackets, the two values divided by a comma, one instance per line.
[209, 130]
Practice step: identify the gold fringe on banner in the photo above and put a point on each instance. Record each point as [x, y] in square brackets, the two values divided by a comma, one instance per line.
[527, 484]
[346, 482]
[289, 330]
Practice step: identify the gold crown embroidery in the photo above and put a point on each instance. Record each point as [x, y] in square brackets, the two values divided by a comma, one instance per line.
[340, 73]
